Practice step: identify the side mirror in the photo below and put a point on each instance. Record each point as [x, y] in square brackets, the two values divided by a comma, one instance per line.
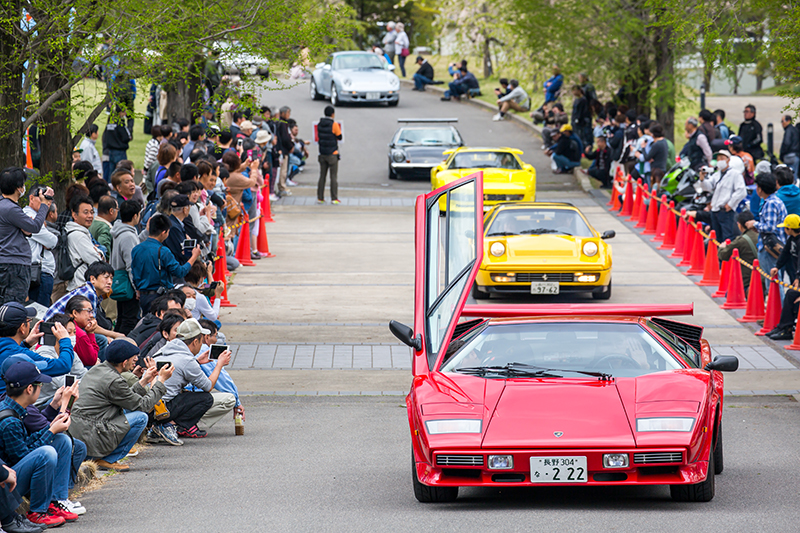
[406, 335]
[390, 67]
[723, 363]
[320, 65]
[326, 67]
[610, 234]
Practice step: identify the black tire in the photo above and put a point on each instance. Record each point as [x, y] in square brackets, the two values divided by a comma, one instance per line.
[335, 96]
[426, 494]
[313, 90]
[699, 492]
[479, 294]
[603, 293]
[719, 462]
[392, 173]
[393, 103]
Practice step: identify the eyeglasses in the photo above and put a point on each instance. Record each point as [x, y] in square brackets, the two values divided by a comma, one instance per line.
[89, 310]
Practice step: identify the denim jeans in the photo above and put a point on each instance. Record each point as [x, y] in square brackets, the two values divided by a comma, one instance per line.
[793, 161]
[44, 473]
[42, 293]
[421, 81]
[78, 456]
[563, 163]
[724, 224]
[137, 421]
[114, 157]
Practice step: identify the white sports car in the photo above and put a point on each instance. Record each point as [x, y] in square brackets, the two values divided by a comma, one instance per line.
[362, 77]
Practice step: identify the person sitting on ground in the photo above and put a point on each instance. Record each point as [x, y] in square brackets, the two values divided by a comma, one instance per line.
[566, 152]
[107, 401]
[18, 337]
[195, 279]
[187, 409]
[554, 117]
[517, 99]
[461, 86]
[148, 325]
[503, 90]
[224, 382]
[42, 460]
[601, 165]
[78, 369]
[167, 331]
[424, 75]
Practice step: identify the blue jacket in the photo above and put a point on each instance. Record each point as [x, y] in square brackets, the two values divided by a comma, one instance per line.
[146, 258]
[55, 367]
[551, 87]
[790, 195]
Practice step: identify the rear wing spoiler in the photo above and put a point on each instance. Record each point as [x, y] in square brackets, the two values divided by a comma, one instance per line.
[521, 310]
[424, 120]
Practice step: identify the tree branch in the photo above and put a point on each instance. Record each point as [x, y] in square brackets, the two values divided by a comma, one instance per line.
[90, 119]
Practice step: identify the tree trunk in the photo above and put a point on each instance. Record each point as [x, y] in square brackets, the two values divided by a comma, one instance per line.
[708, 70]
[12, 101]
[665, 82]
[184, 97]
[487, 57]
[639, 94]
[759, 81]
[54, 133]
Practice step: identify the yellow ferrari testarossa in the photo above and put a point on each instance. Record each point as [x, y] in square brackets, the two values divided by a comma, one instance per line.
[506, 178]
[542, 248]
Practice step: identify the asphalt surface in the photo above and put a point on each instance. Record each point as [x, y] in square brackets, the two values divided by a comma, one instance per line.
[343, 464]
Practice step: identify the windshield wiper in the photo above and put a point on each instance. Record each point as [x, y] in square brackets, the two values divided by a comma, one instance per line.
[541, 231]
[523, 370]
[501, 234]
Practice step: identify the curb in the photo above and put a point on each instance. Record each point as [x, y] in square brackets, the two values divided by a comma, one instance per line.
[580, 177]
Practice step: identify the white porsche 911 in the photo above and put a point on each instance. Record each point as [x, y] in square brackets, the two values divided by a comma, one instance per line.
[355, 77]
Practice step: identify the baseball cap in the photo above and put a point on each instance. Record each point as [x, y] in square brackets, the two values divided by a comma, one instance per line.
[734, 139]
[14, 314]
[20, 358]
[791, 221]
[565, 127]
[191, 328]
[180, 200]
[23, 373]
[723, 152]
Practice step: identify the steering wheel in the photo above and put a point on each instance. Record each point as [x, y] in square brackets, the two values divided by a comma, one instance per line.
[627, 362]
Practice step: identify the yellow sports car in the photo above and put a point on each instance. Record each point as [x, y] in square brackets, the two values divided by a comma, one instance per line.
[542, 248]
[506, 178]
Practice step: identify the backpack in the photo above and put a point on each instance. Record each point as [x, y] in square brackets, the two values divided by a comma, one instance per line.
[65, 270]
[149, 210]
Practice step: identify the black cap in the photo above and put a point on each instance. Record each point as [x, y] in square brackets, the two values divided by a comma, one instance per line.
[14, 314]
[180, 200]
[23, 373]
[120, 350]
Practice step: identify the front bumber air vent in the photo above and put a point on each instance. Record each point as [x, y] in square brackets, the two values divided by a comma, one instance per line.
[650, 458]
[459, 460]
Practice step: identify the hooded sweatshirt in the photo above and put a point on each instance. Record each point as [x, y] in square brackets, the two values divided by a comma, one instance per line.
[125, 238]
[790, 194]
[82, 252]
[187, 369]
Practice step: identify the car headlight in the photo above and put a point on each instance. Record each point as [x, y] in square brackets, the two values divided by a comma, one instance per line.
[440, 427]
[347, 82]
[664, 424]
[398, 156]
[590, 249]
[501, 462]
[615, 460]
[497, 249]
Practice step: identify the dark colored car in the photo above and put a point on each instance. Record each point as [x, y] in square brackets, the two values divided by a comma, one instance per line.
[418, 146]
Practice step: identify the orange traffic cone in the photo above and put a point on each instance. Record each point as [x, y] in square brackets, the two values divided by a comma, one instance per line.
[637, 201]
[616, 204]
[652, 217]
[618, 175]
[261, 242]
[221, 274]
[755, 298]
[642, 222]
[735, 298]
[266, 206]
[670, 233]
[773, 314]
[688, 245]
[680, 236]
[724, 277]
[243, 248]
[697, 266]
[711, 265]
[662, 220]
[627, 203]
[796, 342]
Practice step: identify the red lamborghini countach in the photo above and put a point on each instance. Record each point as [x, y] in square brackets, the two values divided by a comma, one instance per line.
[525, 395]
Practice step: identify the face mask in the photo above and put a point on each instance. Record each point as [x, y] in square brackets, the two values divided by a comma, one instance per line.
[722, 165]
[73, 340]
[190, 304]
[23, 192]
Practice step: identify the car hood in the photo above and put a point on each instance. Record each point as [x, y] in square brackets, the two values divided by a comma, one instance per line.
[560, 413]
[492, 177]
[425, 154]
[362, 79]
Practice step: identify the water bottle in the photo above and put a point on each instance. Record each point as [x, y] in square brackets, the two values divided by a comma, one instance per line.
[238, 422]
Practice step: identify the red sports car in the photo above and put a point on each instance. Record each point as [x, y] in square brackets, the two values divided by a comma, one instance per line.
[522, 395]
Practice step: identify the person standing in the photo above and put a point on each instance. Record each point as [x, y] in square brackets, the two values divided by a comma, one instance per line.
[42, 243]
[89, 151]
[719, 124]
[401, 45]
[696, 149]
[388, 40]
[330, 133]
[15, 252]
[727, 186]
[125, 239]
[116, 139]
[581, 116]
[790, 147]
[751, 133]
[285, 147]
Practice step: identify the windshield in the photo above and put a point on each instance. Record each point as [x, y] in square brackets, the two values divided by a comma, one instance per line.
[539, 222]
[429, 136]
[563, 349]
[366, 60]
[503, 160]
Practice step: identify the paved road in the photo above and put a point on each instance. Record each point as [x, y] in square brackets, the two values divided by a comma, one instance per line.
[343, 464]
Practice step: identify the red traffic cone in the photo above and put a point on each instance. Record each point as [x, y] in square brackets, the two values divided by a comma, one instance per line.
[724, 276]
[243, 248]
[697, 265]
[652, 217]
[266, 206]
[773, 314]
[670, 233]
[221, 273]
[711, 265]
[688, 245]
[755, 298]
[796, 342]
[261, 242]
[680, 236]
[637, 201]
[627, 203]
[735, 298]
[662, 220]
[642, 222]
[616, 204]
[618, 175]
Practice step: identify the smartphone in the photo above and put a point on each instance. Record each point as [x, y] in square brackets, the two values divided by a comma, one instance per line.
[189, 244]
[69, 380]
[216, 350]
[161, 364]
[46, 327]
[240, 143]
[69, 404]
[250, 155]
[48, 340]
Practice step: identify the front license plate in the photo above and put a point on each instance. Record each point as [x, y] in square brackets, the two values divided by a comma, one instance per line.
[373, 96]
[558, 470]
[544, 287]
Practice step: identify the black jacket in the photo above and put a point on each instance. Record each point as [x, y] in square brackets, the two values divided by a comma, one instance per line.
[328, 141]
[693, 151]
[116, 137]
[426, 69]
[750, 132]
[145, 328]
[285, 144]
[581, 114]
[177, 234]
[569, 147]
[603, 158]
[790, 257]
[791, 141]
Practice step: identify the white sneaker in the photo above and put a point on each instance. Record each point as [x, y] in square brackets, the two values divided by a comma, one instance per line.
[73, 507]
[291, 183]
[498, 117]
[273, 197]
